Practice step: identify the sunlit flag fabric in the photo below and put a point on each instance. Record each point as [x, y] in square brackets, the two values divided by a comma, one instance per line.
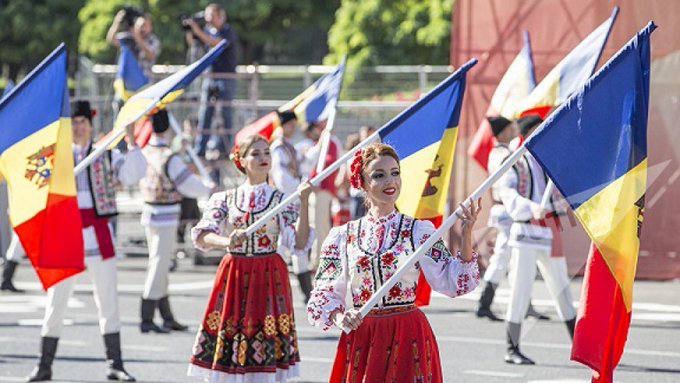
[570, 73]
[130, 76]
[36, 160]
[595, 150]
[424, 136]
[161, 93]
[312, 105]
[516, 84]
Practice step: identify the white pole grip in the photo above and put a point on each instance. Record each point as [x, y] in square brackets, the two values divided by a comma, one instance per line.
[549, 189]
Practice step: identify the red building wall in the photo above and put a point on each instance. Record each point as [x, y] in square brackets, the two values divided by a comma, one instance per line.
[491, 30]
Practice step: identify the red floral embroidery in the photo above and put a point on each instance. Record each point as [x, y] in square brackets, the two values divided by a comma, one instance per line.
[405, 233]
[395, 292]
[264, 241]
[365, 295]
[388, 258]
[364, 263]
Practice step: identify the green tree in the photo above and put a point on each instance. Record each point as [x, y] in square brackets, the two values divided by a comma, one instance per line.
[95, 19]
[373, 32]
[32, 29]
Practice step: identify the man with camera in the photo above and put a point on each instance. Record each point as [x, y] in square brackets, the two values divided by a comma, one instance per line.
[133, 27]
[220, 86]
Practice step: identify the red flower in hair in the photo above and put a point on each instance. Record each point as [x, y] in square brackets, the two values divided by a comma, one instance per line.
[355, 167]
[236, 159]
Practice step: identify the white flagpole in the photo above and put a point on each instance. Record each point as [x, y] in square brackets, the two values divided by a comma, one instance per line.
[549, 188]
[99, 150]
[326, 135]
[439, 233]
[192, 154]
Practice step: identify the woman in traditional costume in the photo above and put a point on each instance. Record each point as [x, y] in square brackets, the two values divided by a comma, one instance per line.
[248, 332]
[394, 342]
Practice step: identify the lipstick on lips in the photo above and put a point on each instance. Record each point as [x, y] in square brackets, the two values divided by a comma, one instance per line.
[389, 191]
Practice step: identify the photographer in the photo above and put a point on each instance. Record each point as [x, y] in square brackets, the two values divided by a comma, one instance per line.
[133, 27]
[221, 85]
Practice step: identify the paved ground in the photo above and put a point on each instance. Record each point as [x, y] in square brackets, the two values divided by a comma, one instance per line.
[471, 349]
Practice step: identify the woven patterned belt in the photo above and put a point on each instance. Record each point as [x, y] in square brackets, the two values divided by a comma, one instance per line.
[383, 311]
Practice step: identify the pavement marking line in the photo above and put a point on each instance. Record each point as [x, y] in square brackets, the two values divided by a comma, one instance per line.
[139, 347]
[38, 322]
[566, 346]
[75, 343]
[128, 288]
[12, 378]
[317, 360]
[499, 374]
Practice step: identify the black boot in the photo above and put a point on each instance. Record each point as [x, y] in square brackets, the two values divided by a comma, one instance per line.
[7, 275]
[484, 307]
[114, 360]
[531, 312]
[148, 309]
[305, 280]
[513, 355]
[169, 322]
[571, 324]
[48, 348]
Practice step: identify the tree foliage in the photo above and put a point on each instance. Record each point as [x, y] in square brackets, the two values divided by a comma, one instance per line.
[373, 32]
[32, 29]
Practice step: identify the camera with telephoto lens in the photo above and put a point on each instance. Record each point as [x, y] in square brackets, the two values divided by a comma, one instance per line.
[130, 15]
[198, 18]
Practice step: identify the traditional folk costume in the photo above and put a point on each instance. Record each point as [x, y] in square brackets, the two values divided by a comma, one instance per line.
[97, 202]
[248, 333]
[394, 342]
[285, 175]
[531, 243]
[167, 179]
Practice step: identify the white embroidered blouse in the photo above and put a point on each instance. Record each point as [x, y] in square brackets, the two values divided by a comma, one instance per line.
[239, 208]
[365, 253]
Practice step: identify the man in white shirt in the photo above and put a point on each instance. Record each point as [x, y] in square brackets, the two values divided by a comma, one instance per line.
[167, 180]
[97, 202]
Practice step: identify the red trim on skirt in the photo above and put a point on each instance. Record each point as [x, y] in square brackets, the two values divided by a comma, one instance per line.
[249, 324]
[395, 345]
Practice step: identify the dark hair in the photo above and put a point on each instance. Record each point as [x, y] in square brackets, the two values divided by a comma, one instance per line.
[160, 121]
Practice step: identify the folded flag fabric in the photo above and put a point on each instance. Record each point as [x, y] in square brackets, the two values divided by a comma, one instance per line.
[570, 73]
[515, 85]
[130, 77]
[601, 131]
[36, 160]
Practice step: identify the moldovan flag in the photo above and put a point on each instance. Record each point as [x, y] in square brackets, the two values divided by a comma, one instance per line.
[594, 148]
[424, 136]
[130, 76]
[36, 159]
[312, 105]
[570, 73]
[516, 84]
[158, 95]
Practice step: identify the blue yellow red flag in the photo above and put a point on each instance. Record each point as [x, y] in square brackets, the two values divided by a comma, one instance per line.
[570, 73]
[312, 105]
[515, 86]
[594, 148]
[424, 136]
[130, 76]
[36, 160]
[158, 95]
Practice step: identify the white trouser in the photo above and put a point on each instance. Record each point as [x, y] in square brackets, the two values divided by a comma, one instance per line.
[105, 283]
[320, 219]
[523, 263]
[498, 263]
[15, 250]
[162, 243]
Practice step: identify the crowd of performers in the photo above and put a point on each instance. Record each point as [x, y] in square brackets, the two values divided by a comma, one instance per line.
[343, 239]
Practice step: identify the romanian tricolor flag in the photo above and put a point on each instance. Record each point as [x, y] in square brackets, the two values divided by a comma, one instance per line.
[570, 73]
[516, 84]
[312, 105]
[594, 148]
[158, 95]
[36, 160]
[424, 136]
[130, 76]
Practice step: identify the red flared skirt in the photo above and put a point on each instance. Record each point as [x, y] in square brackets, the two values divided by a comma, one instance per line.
[393, 345]
[249, 325]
